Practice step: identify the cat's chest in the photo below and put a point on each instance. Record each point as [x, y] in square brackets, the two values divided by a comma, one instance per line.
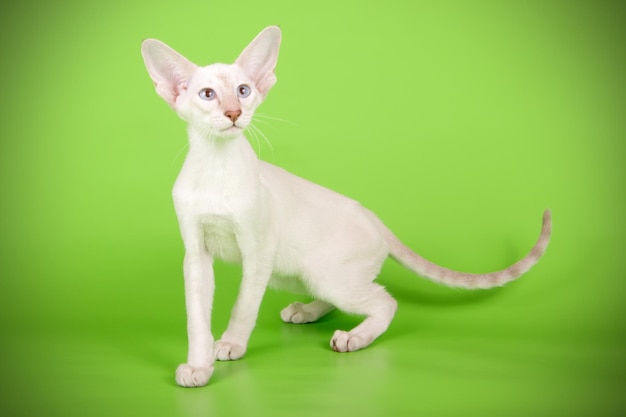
[220, 237]
[221, 191]
[216, 207]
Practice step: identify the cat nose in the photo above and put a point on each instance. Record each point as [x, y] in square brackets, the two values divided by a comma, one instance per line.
[233, 115]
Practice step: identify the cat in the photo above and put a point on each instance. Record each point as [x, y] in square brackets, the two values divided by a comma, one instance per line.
[286, 231]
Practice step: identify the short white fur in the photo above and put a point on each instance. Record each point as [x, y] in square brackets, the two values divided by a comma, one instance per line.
[286, 231]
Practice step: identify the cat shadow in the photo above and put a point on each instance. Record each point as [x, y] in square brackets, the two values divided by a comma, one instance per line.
[440, 296]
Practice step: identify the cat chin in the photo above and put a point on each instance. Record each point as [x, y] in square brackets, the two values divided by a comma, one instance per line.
[230, 132]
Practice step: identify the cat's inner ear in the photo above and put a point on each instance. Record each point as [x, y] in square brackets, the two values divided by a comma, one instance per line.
[259, 58]
[169, 70]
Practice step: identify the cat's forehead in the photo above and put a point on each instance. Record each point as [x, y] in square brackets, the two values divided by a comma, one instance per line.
[219, 74]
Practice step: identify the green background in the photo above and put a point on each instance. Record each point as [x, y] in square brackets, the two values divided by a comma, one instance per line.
[457, 122]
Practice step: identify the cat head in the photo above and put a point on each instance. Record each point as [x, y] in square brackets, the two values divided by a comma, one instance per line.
[218, 100]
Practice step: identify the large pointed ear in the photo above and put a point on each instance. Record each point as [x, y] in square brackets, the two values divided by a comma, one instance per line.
[169, 70]
[259, 58]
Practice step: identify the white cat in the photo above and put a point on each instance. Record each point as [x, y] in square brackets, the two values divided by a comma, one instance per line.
[286, 231]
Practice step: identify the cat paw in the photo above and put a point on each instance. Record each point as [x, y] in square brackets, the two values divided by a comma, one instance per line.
[347, 342]
[296, 313]
[227, 351]
[192, 376]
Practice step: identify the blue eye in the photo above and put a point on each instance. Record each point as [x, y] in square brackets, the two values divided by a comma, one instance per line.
[243, 91]
[207, 94]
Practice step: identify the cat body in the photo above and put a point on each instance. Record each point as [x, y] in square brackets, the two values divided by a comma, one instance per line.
[286, 232]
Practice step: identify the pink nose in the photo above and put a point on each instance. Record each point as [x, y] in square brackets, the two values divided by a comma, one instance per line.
[233, 115]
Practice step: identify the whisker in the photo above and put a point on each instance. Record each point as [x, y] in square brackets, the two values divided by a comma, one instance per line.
[183, 149]
[265, 122]
[271, 117]
[254, 135]
[260, 132]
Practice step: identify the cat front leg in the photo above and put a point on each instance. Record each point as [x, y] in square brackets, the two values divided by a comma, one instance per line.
[256, 274]
[199, 289]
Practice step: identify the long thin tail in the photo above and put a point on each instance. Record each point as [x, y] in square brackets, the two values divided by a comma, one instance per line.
[409, 259]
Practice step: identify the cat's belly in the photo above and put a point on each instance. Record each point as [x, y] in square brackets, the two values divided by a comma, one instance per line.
[289, 283]
[220, 239]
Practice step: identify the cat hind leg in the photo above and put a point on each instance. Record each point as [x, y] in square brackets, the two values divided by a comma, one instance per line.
[300, 313]
[378, 307]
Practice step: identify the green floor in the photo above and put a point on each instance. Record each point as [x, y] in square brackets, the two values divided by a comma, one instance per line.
[533, 348]
[457, 122]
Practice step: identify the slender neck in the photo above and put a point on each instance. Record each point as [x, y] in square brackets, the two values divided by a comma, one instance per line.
[221, 152]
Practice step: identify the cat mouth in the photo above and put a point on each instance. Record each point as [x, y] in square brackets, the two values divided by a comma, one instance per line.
[231, 130]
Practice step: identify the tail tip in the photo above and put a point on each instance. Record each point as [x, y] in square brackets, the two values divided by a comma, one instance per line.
[547, 215]
[547, 222]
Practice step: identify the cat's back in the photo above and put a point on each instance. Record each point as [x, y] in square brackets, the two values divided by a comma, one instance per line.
[315, 223]
[306, 205]
[287, 186]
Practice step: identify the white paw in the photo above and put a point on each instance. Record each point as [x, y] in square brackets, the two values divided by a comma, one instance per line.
[227, 351]
[296, 313]
[347, 342]
[190, 376]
